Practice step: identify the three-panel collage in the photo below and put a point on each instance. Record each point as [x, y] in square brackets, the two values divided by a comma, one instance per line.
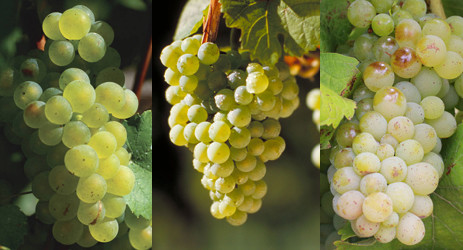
[278, 125]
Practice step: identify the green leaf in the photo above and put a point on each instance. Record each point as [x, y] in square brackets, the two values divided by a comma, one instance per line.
[191, 18]
[140, 144]
[334, 107]
[140, 200]
[452, 7]
[13, 226]
[263, 22]
[338, 75]
[326, 133]
[444, 227]
[139, 139]
[335, 28]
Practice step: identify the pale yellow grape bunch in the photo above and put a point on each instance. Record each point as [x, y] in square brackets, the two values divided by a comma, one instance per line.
[226, 110]
[313, 102]
[387, 159]
[69, 125]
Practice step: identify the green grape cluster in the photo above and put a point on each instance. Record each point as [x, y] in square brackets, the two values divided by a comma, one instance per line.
[313, 103]
[387, 159]
[66, 106]
[226, 110]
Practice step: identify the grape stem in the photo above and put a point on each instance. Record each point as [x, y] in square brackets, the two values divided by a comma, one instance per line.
[437, 8]
[16, 195]
[211, 23]
[143, 69]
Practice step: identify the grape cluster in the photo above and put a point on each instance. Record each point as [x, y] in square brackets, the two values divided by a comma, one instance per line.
[226, 110]
[64, 109]
[313, 102]
[386, 162]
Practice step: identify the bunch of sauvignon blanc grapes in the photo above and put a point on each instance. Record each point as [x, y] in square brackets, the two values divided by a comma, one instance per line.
[313, 102]
[387, 162]
[65, 110]
[226, 110]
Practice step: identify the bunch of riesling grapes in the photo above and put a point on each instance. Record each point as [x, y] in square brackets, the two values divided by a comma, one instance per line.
[387, 159]
[226, 110]
[313, 102]
[64, 107]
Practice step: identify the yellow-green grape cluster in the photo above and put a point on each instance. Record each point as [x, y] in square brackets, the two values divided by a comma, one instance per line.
[313, 102]
[226, 110]
[67, 103]
[386, 162]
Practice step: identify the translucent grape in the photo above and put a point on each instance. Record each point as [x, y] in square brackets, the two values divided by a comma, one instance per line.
[360, 13]
[67, 232]
[405, 62]
[104, 231]
[81, 160]
[61, 53]
[26, 93]
[58, 110]
[104, 143]
[431, 50]
[104, 30]
[422, 178]
[122, 183]
[410, 230]
[451, 67]
[378, 75]
[96, 116]
[80, 94]
[349, 205]
[394, 169]
[382, 24]
[74, 24]
[377, 207]
[50, 26]
[92, 188]
[401, 195]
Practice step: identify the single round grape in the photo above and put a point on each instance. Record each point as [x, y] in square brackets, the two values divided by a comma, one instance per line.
[417, 8]
[58, 110]
[142, 238]
[92, 188]
[51, 134]
[61, 53]
[130, 107]
[81, 160]
[431, 50]
[401, 195]
[104, 143]
[451, 67]
[96, 116]
[256, 82]
[362, 227]
[378, 75]
[218, 152]
[67, 232]
[70, 75]
[61, 181]
[104, 231]
[382, 24]
[91, 213]
[410, 230]
[63, 207]
[390, 102]
[34, 114]
[74, 24]
[415, 113]
[407, 33]
[445, 126]
[122, 183]
[422, 178]
[360, 13]
[422, 207]
[50, 26]
[428, 82]
[372, 183]
[26, 93]
[405, 62]
[104, 30]
[364, 142]
[346, 179]
[111, 95]
[349, 205]
[208, 53]
[437, 27]
[80, 94]
[401, 128]
[377, 207]
[384, 47]
[394, 169]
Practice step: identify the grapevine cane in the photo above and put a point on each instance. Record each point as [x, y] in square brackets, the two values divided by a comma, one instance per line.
[211, 23]
[141, 72]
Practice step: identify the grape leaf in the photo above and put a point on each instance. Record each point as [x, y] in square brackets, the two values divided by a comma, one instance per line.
[13, 226]
[334, 107]
[452, 7]
[444, 227]
[191, 18]
[338, 74]
[335, 29]
[263, 22]
[139, 139]
[141, 198]
[140, 144]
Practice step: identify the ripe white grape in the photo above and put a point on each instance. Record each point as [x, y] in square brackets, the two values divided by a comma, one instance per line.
[410, 230]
